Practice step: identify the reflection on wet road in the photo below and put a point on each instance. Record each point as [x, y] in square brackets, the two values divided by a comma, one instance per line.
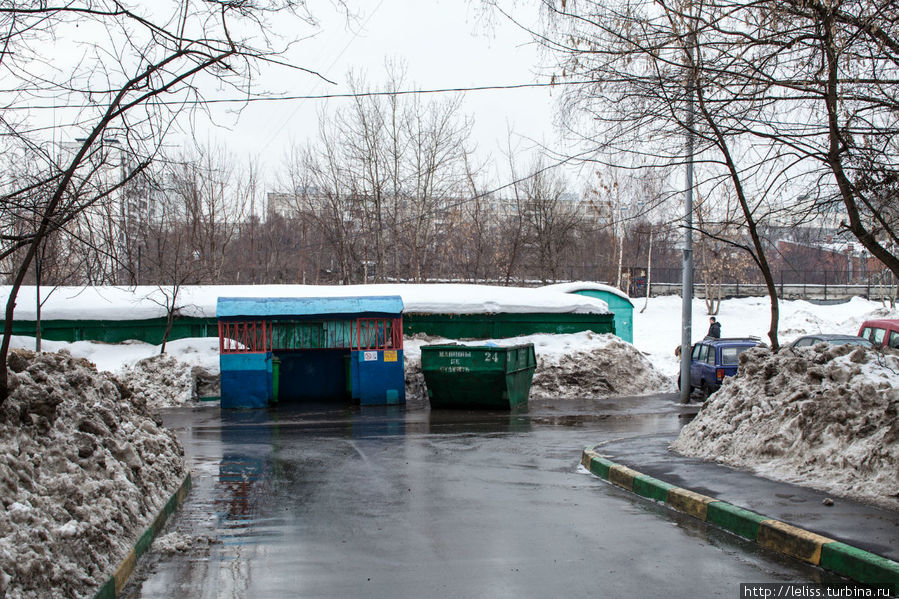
[408, 502]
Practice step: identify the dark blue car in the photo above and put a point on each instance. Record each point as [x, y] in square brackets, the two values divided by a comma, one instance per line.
[713, 359]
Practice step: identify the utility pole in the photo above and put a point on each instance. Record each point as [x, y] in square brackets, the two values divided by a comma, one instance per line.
[687, 292]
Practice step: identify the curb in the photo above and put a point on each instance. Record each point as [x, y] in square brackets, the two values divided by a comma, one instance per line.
[116, 582]
[848, 561]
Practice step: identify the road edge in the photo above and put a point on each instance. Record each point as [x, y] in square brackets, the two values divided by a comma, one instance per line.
[116, 582]
[843, 559]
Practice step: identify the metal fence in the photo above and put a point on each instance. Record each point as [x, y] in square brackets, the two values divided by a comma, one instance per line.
[815, 285]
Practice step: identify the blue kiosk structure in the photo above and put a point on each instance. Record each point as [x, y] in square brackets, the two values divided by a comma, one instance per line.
[312, 349]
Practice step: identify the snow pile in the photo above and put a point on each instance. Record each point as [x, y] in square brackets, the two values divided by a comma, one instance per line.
[106, 356]
[824, 417]
[134, 303]
[196, 351]
[83, 463]
[805, 318]
[163, 381]
[176, 542]
[188, 371]
[575, 286]
[572, 365]
[610, 367]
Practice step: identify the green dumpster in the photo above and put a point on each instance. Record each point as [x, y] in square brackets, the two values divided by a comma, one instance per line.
[478, 377]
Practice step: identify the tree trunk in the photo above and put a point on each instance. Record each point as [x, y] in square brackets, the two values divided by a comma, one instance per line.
[37, 304]
[835, 149]
[648, 273]
[620, 258]
[759, 256]
[170, 317]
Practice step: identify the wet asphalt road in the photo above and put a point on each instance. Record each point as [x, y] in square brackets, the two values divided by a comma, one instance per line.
[406, 502]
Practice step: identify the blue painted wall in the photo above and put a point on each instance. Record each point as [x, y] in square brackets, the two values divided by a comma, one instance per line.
[246, 380]
[378, 379]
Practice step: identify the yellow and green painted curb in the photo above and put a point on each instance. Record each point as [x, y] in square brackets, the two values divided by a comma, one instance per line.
[853, 563]
[116, 582]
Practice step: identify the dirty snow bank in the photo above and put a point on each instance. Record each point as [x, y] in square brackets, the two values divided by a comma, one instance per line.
[160, 381]
[164, 381]
[177, 542]
[572, 365]
[83, 465]
[187, 371]
[824, 417]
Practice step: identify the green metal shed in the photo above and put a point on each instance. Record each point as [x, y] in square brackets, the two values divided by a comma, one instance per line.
[619, 303]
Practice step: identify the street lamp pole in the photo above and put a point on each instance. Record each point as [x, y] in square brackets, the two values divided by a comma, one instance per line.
[687, 285]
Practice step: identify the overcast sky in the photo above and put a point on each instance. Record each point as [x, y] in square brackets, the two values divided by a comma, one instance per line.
[443, 43]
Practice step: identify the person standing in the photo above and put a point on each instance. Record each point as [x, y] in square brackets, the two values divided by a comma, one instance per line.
[714, 328]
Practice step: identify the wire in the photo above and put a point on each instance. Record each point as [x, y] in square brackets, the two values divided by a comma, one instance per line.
[404, 92]
[271, 136]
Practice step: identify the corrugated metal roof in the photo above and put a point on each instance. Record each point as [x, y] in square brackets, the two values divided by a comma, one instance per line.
[273, 307]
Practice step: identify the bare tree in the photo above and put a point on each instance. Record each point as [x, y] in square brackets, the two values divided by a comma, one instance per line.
[647, 68]
[320, 193]
[173, 261]
[131, 85]
[552, 220]
[476, 232]
[380, 181]
[608, 194]
[211, 196]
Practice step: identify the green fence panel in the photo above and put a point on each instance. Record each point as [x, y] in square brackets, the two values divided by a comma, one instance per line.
[498, 326]
[451, 326]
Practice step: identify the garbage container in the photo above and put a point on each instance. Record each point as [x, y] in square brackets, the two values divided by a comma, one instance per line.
[276, 376]
[478, 377]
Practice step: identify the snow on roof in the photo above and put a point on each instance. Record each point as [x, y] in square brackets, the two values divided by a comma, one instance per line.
[144, 302]
[588, 286]
[271, 307]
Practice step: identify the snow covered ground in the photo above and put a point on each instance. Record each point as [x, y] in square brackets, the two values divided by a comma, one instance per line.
[657, 331]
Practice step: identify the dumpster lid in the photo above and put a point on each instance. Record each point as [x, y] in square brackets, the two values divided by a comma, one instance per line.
[484, 346]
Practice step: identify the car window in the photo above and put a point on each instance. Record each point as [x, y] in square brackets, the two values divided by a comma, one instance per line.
[804, 342]
[710, 359]
[894, 339]
[877, 335]
[730, 355]
[703, 353]
[866, 333]
[696, 349]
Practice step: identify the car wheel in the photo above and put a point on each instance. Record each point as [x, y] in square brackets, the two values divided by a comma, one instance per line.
[704, 391]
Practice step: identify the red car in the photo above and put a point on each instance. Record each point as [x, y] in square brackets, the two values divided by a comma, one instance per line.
[882, 333]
